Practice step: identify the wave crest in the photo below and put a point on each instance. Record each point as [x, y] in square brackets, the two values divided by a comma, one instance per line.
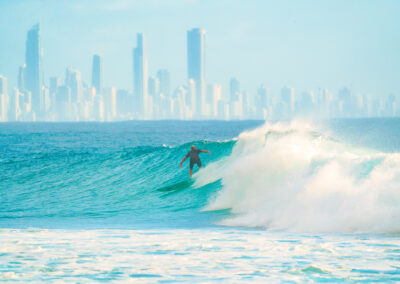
[294, 177]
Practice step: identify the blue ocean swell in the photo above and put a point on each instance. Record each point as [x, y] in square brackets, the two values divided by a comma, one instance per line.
[113, 188]
[108, 175]
[105, 174]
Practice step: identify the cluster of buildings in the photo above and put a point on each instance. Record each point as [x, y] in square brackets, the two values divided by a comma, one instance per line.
[71, 99]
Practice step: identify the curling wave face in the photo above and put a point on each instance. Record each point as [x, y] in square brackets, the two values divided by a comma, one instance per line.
[294, 177]
[112, 188]
[280, 176]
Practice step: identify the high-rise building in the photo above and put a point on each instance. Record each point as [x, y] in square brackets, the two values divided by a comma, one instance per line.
[21, 77]
[307, 103]
[123, 102]
[287, 97]
[234, 89]
[164, 78]
[191, 96]
[179, 105]
[63, 102]
[3, 99]
[262, 97]
[261, 102]
[16, 105]
[140, 80]
[33, 77]
[3, 85]
[97, 73]
[55, 82]
[110, 103]
[237, 107]
[196, 66]
[214, 97]
[153, 86]
[345, 95]
[73, 81]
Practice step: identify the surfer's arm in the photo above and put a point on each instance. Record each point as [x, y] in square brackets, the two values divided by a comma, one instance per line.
[205, 151]
[184, 158]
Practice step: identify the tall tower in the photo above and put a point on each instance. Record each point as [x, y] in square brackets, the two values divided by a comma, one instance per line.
[21, 76]
[33, 71]
[4, 101]
[164, 77]
[140, 79]
[234, 89]
[97, 73]
[73, 80]
[196, 66]
[287, 96]
[262, 99]
[3, 85]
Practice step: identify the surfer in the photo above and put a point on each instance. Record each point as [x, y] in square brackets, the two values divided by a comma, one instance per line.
[194, 158]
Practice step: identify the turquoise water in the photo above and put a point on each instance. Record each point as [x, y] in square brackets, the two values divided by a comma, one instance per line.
[288, 201]
[106, 175]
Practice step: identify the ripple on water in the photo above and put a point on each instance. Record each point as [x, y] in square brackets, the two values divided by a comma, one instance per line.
[194, 255]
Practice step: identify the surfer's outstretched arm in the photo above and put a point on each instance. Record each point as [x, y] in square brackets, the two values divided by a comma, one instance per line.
[184, 158]
[205, 151]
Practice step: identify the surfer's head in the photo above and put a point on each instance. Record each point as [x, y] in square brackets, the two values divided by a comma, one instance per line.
[193, 147]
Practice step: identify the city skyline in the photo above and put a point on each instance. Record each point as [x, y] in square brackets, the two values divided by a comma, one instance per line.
[35, 99]
[218, 81]
[301, 44]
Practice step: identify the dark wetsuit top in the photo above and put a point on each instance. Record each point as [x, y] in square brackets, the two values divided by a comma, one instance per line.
[194, 157]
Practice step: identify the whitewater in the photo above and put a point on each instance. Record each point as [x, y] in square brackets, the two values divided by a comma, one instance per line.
[277, 201]
[294, 177]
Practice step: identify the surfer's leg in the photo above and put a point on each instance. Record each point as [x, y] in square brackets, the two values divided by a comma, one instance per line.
[199, 164]
[191, 168]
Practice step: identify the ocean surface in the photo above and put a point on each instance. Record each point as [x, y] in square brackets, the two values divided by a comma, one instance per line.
[292, 202]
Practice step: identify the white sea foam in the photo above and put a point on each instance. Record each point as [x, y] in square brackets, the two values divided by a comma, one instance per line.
[291, 176]
[193, 256]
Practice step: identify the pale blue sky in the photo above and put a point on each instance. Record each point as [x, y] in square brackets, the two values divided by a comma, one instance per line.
[305, 44]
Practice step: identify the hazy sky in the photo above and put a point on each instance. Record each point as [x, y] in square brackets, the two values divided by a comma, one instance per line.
[304, 44]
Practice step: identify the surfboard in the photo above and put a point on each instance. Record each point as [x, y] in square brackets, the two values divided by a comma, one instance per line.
[177, 186]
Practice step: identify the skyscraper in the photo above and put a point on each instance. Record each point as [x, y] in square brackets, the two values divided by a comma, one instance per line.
[234, 89]
[196, 66]
[287, 97]
[73, 81]
[33, 71]
[153, 86]
[110, 103]
[4, 102]
[3, 85]
[164, 78]
[140, 80]
[55, 82]
[346, 98]
[15, 105]
[97, 73]
[21, 76]
[63, 103]
[261, 101]
[262, 96]
[214, 97]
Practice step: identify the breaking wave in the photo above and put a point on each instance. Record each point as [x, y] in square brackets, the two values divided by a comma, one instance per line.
[281, 176]
[295, 177]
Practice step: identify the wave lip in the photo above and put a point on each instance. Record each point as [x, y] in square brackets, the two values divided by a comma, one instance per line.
[294, 177]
